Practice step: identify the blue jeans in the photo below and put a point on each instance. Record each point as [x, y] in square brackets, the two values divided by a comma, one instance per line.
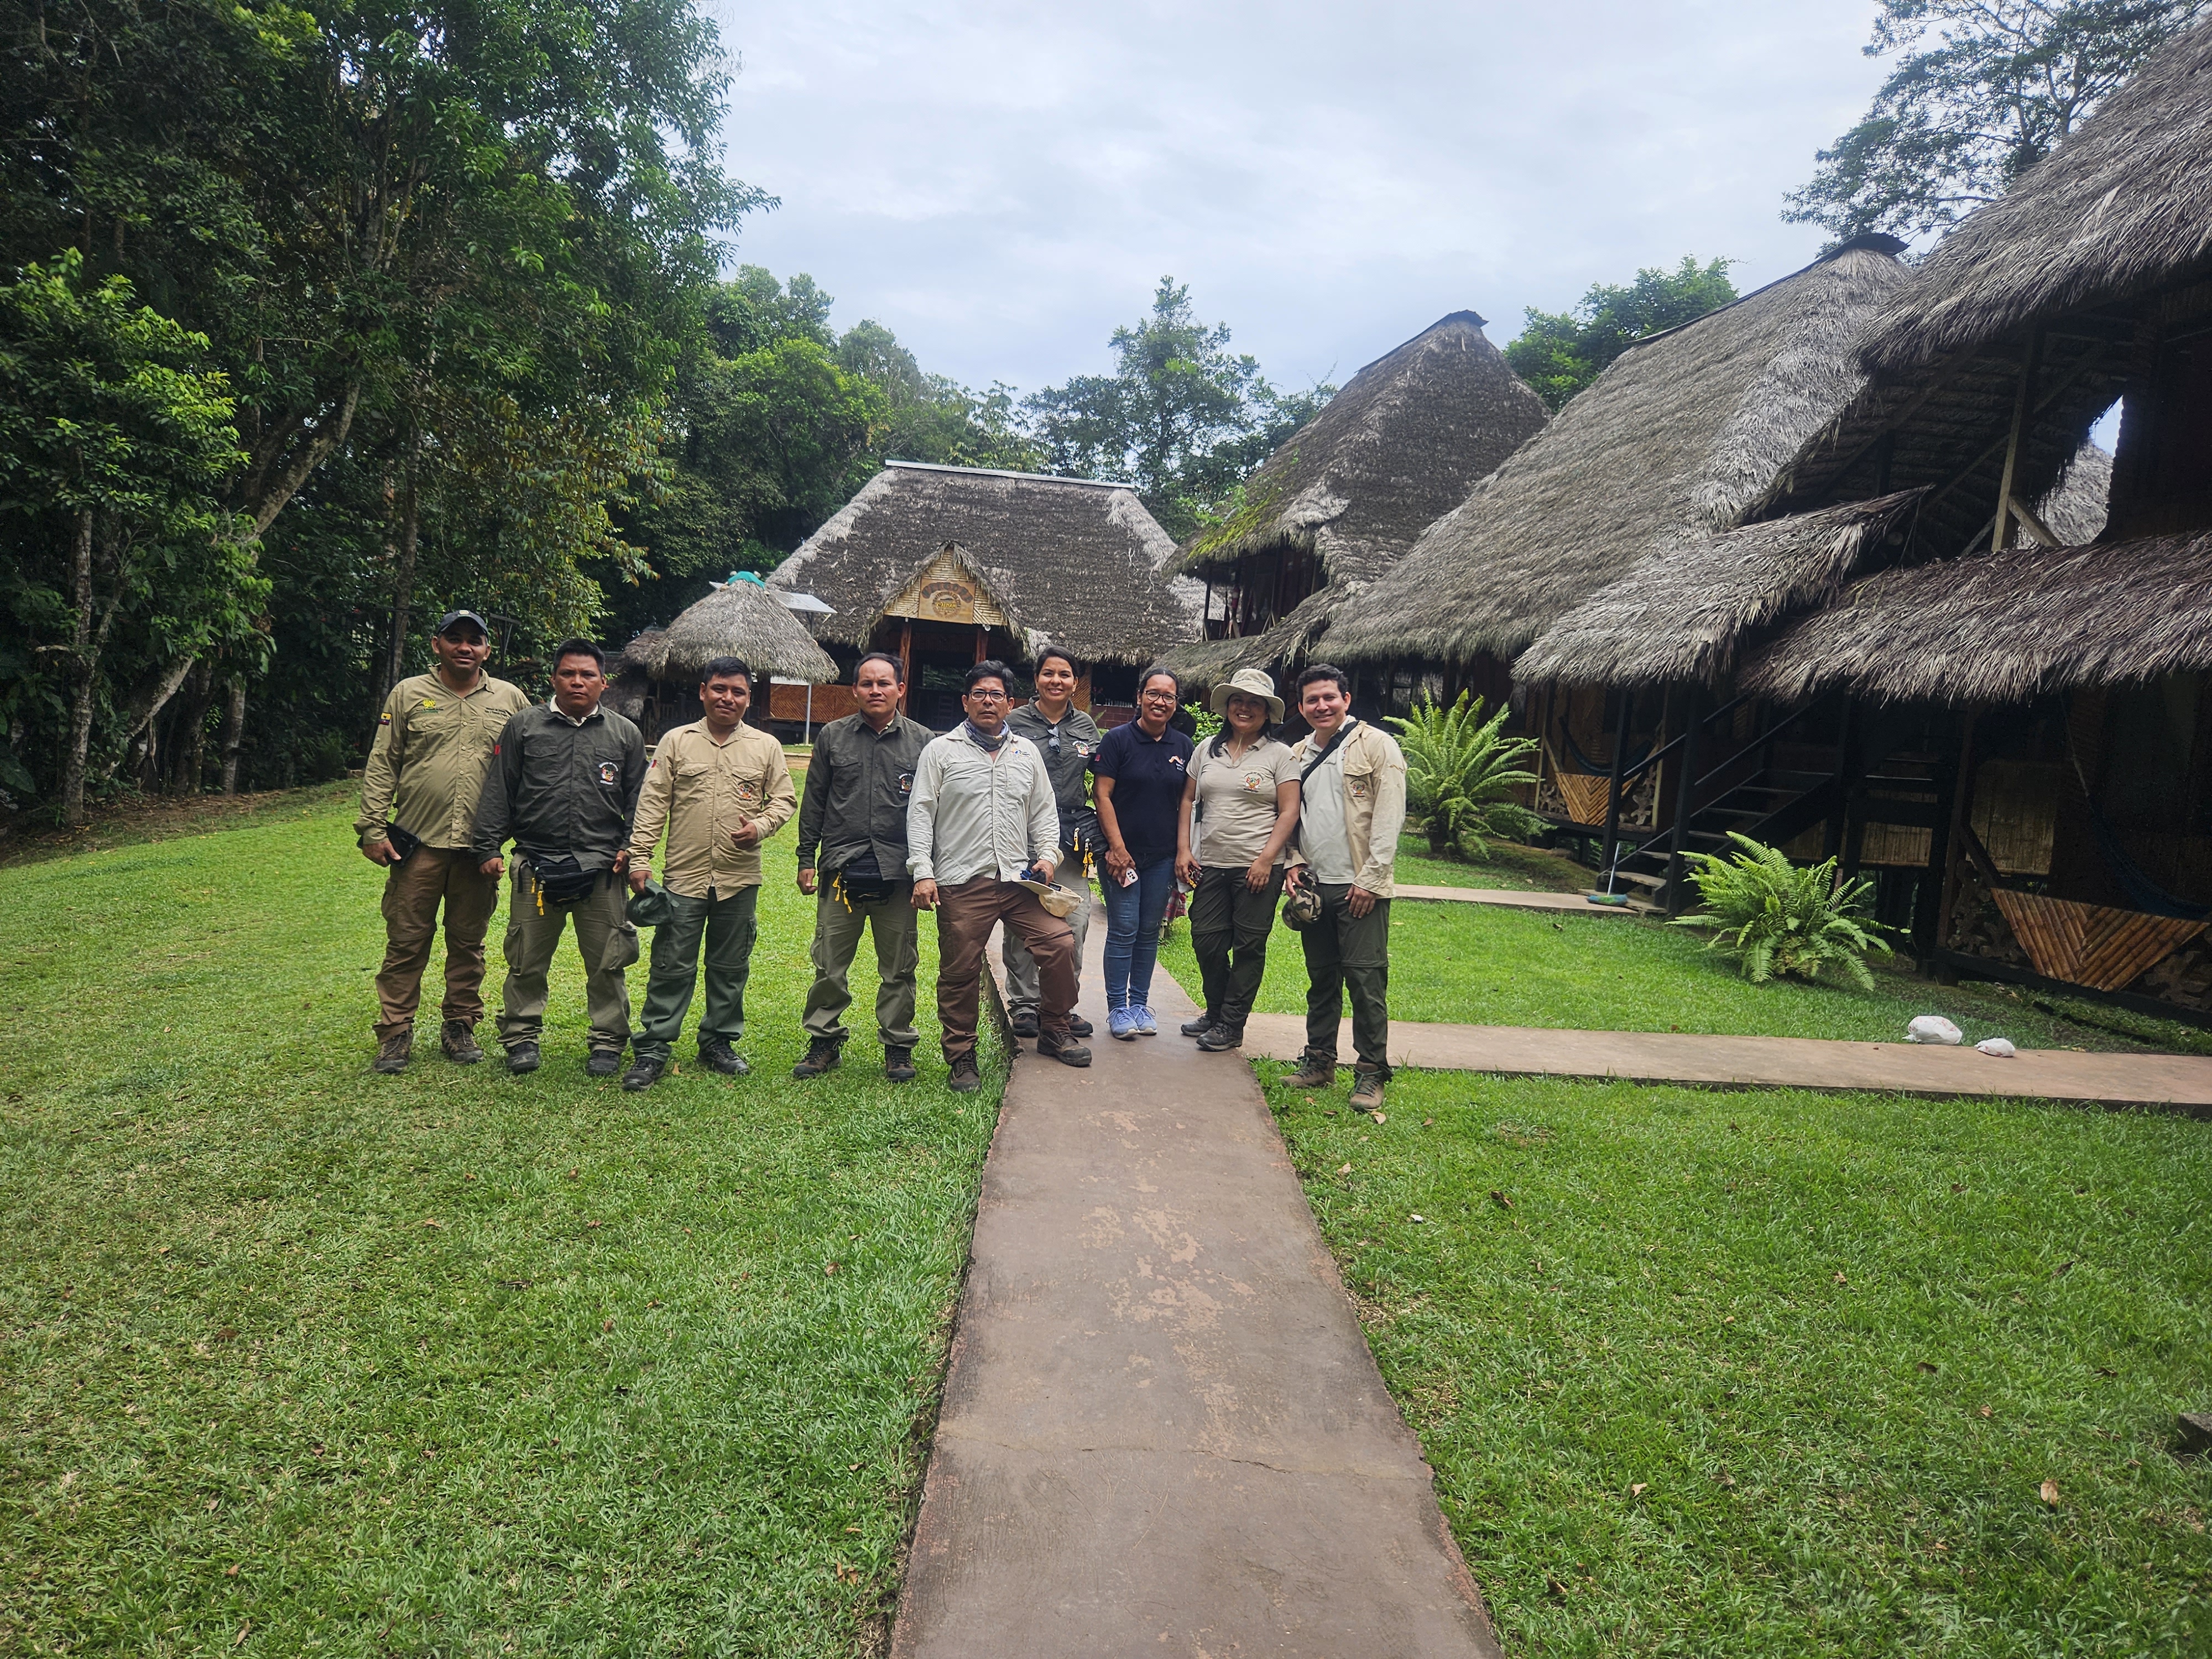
[1132, 930]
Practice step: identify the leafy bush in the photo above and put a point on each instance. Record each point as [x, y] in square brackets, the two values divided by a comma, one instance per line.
[1781, 919]
[1461, 773]
[1203, 719]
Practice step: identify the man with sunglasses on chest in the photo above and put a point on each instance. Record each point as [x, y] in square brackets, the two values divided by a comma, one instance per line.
[1069, 739]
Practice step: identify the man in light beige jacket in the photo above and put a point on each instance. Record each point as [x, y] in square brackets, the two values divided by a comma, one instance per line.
[1352, 807]
[720, 788]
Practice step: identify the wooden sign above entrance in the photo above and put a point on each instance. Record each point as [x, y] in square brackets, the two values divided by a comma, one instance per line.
[946, 590]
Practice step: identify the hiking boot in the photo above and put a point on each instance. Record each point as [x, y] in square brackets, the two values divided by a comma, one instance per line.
[1314, 1072]
[1367, 1091]
[1066, 1050]
[1077, 1026]
[392, 1054]
[1202, 1025]
[603, 1062]
[821, 1056]
[457, 1041]
[717, 1056]
[522, 1057]
[967, 1077]
[1024, 1022]
[1222, 1036]
[898, 1065]
[641, 1076]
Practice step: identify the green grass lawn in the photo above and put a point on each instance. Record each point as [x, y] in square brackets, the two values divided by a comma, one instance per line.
[299, 1359]
[1486, 965]
[1774, 1373]
[1509, 866]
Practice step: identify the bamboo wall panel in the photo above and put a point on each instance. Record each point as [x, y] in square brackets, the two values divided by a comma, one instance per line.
[2091, 944]
[2016, 813]
[1585, 794]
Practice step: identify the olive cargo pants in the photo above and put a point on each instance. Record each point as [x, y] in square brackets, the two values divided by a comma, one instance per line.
[1344, 952]
[1229, 927]
[414, 888]
[604, 939]
[896, 926]
[728, 924]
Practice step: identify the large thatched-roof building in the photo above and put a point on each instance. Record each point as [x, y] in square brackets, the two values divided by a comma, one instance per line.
[1685, 434]
[1351, 490]
[1953, 644]
[943, 566]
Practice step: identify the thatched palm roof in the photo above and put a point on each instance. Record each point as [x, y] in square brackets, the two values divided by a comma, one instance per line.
[1066, 560]
[737, 618]
[2003, 627]
[1684, 434]
[1688, 608]
[2122, 207]
[1680, 614]
[1403, 441]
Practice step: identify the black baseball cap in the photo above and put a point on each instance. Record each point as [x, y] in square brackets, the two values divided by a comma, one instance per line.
[445, 622]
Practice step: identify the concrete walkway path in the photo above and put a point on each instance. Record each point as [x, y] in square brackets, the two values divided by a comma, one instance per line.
[1162, 1432]
[1513, 898]
[2170, 1080]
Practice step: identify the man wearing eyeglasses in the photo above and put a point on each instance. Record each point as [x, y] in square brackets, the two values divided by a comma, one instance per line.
[1069, 739]
[982, 839]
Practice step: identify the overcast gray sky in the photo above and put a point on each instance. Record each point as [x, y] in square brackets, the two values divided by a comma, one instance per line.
[1001, 185]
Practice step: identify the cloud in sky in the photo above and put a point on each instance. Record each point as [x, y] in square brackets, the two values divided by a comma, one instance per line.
[1001, 185]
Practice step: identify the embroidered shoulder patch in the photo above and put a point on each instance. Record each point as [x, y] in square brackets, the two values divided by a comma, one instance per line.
[385, 718]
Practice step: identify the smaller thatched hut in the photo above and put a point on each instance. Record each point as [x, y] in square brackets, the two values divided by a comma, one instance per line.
[657, 684]
[1344, 497]
[943, 566]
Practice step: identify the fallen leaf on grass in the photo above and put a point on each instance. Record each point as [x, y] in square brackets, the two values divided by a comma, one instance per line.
[1840, 1279]
[1928, 1366]
[434, 1222]
[2048, 1493]
[1550, 1582]
[2064, 1268]
[1985, 1411]
[244, 1631]
[572, 1175]
[1382, 1117]
[1427, 1121]
[1500, 1200]
[1415, 1220]
[849, 1575]
[849, 1467]
[1636, 1491]
[590, 1223]
[1343, 1168]
[231, 1571]
[831, 1268]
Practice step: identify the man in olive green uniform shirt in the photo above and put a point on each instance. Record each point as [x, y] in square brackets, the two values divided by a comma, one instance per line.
[563, 783]
[719, 788]
[853, 826]
[418, 806]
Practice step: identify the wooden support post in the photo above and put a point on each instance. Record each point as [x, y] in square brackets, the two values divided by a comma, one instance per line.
[1831, 833]
[906, 666]
[1960, 828]
[1684, 803]
[982, 642]
[1928, 900]
[1612, 793]
[2029, 361]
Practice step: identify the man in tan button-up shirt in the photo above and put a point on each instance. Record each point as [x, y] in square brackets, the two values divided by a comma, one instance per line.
[418, 806]
[720, 789]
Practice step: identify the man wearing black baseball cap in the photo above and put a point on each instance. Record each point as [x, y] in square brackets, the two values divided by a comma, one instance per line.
[419, 804]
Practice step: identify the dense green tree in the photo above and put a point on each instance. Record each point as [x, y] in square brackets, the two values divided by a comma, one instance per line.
[1980, 91]
[114, 434]
[1183, 418]
[1559, 353]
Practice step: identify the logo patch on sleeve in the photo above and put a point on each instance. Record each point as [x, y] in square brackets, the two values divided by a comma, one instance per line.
[385, 718]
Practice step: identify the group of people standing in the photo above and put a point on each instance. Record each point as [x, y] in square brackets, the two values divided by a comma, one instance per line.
[998, 822]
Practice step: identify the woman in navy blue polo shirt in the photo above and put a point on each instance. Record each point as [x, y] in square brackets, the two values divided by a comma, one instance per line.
[1140, 770]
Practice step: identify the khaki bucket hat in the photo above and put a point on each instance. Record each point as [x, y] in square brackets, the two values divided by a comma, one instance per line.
[1251, 683]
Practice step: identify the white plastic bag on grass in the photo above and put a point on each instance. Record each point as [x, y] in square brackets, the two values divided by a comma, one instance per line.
[1932, 1027]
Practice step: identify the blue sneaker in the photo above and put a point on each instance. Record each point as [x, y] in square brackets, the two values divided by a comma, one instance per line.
[1146, 1025]
[1121, 1024]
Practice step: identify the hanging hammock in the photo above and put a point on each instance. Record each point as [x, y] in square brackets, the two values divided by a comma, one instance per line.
[1574, 750]
[2148, 895]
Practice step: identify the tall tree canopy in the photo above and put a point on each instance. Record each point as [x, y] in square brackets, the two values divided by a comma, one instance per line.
[1559, 353]
[1980, 91]
[1181, 417]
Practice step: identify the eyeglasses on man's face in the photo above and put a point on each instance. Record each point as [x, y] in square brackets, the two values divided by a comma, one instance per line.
[981, 695]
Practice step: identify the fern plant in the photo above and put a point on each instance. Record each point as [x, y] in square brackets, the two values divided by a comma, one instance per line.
[1778, 918]
[1461, 773]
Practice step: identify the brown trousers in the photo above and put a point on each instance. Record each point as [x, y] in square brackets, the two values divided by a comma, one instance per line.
[414, 888]
[965, 916]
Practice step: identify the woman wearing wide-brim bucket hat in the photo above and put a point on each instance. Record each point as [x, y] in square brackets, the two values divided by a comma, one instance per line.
[1240, 810]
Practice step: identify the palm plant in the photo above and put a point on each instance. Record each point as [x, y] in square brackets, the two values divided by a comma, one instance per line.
[1781, 919]
[1461, 773]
